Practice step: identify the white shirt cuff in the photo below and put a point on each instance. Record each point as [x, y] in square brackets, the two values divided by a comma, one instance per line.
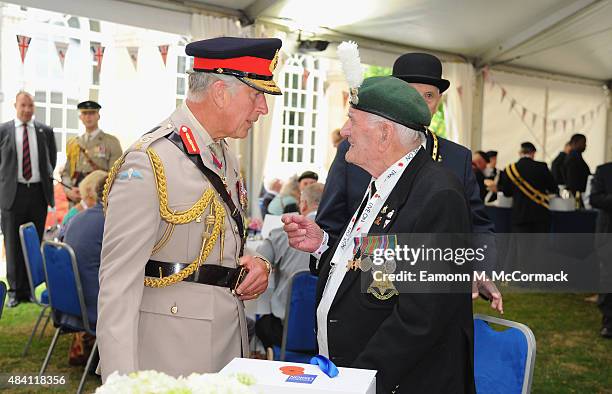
[322, 248]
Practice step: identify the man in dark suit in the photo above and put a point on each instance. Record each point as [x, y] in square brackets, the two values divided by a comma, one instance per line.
[346, 182]
[557, 167]
[27, 159]
[418, 343]
[576, 169]
[528, 182]
[601, 198]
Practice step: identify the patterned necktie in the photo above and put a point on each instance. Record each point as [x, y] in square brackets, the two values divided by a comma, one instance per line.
[26, 165]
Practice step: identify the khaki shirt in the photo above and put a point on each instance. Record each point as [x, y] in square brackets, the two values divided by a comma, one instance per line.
[103, 150]
[185, 327]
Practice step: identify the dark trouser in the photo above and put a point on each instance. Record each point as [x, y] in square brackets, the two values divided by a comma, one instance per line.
[30, 206]
[604, 302]
[269, 330]
[533, 227]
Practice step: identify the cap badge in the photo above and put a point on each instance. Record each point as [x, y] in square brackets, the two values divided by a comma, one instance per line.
[274, 62]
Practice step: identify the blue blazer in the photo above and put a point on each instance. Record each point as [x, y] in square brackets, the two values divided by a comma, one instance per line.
[84, 235]
[346, 184]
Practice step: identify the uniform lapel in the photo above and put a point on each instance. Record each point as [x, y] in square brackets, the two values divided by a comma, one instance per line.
[395, 201]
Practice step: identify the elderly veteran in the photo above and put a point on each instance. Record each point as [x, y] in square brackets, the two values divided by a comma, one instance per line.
[91, 151]
[418, 343]
[173, 275]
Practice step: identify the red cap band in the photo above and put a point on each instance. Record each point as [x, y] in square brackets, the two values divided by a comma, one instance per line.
[249, 64]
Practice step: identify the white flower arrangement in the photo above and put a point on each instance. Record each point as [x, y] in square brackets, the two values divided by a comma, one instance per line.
[152, 382]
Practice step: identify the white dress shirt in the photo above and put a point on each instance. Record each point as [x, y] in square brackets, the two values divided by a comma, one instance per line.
[33, 151]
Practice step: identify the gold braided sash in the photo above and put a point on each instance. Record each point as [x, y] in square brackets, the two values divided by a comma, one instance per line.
[531, 192]
[207, 200]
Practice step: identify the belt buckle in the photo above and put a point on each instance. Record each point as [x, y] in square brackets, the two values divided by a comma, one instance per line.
[241, 275]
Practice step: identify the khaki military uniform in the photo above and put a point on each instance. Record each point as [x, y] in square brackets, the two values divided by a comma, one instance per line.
[102, 150]
[184, 327]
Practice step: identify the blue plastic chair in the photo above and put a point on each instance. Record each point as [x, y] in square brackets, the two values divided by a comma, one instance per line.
[65, 298]
[299, 340]
[503, 360]
[30, 245]
[2, 296]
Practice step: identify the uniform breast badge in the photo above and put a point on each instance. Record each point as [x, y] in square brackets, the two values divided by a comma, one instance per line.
[130, 174]
[243, 193]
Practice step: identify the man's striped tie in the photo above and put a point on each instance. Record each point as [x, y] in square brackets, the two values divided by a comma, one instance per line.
[26, 165]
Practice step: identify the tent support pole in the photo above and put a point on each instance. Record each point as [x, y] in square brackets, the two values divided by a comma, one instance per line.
[544, 131]
[475, 137]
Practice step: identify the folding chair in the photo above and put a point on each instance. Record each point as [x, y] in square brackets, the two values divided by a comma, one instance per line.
[299, 340]
[2, 296]
[503, 360]
[65, 298]
[30, 245]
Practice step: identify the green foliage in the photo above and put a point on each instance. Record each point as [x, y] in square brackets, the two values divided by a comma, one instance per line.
[376, 71]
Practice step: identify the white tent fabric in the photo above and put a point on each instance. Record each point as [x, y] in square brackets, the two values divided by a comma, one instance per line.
[504, 127]
[459, 101]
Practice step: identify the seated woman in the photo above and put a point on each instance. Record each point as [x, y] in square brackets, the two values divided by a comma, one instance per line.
[88, 194]
[287, 200]
[84, 235]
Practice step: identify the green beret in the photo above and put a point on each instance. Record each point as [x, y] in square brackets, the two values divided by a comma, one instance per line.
[395, 100]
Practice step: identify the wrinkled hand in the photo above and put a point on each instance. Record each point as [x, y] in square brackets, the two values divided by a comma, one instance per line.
[256, 281]
[303, 233]
[74, 194]
[488, 289]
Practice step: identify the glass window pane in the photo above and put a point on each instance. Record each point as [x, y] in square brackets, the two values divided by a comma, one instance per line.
[300, 136]
[180, 65]
[312, 137]
[40, 113]
[290, 154]
[95, 75]
[180, 86]
[294, 100]
[292, 118]
[303, 104]
[315, 83]
[287, 79]
[179, 102]
[312, 155]
[314, 102]
[58, 141]
[286, 97]
[72, 102]
[56, 97]
[74, 22]
[56, 118]
[301, 119]
[295, 81]
[94, 25]
[291, 136]
[93, 94]
[282, 154]
[40, 97]
[72, 119]
[316, 64]
[299, 155]
[314, 121]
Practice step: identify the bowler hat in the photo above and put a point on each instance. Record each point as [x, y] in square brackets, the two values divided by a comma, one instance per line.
[420, 68]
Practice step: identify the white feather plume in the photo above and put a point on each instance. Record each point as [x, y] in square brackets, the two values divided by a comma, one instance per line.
[348, 53]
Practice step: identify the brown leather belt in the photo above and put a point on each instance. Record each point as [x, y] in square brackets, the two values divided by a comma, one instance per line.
[207, 274]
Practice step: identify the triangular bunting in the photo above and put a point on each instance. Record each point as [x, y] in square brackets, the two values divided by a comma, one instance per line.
[503, 94]
[98, 53]
[133, 52]
[61, 48]
[524, 112]
[512, 104]
[24, 43]
[305, 75]
[163, 51]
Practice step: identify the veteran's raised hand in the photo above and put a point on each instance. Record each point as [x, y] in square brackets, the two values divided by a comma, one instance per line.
[303, 233]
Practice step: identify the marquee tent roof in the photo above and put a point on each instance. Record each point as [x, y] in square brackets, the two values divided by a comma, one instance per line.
[566, 37]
